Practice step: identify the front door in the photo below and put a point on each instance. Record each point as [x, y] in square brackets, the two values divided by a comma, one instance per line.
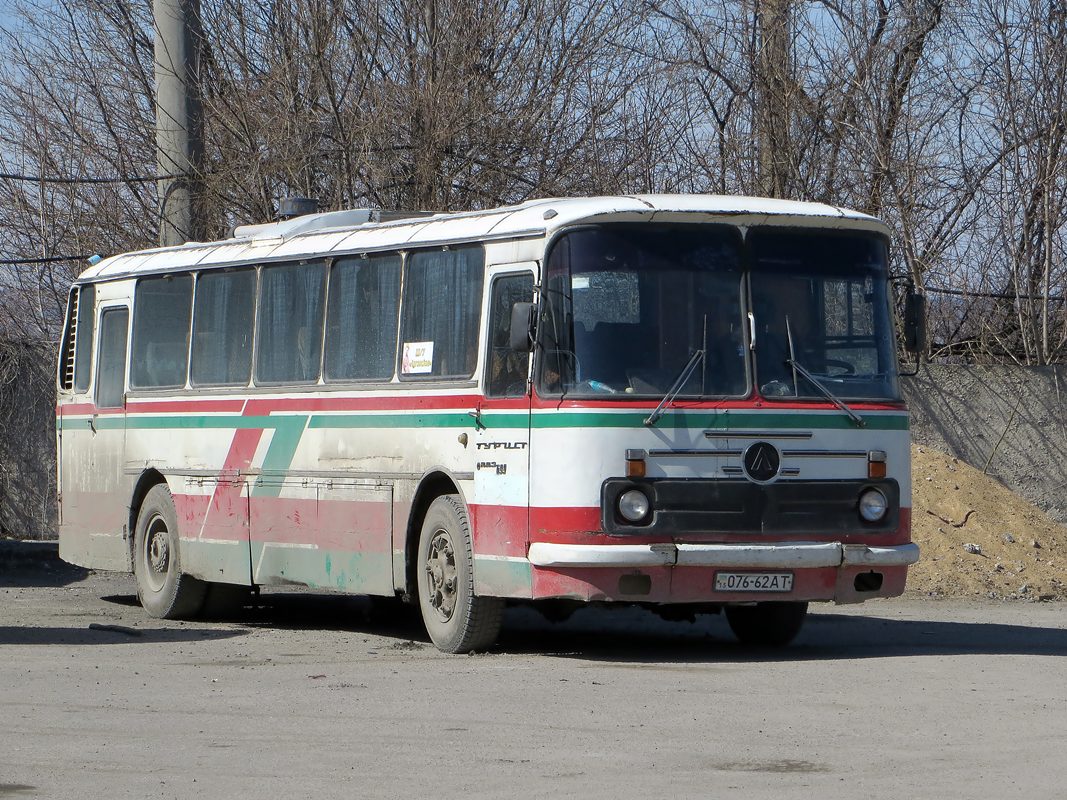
[105, 486]
[501, 502]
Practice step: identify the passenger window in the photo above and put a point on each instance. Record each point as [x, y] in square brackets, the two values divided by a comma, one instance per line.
[361, 318]
[505, 369]
[160, 347]
[83, 350]
[111, 371]
[222, 328]
[290, 323]
[442, 307]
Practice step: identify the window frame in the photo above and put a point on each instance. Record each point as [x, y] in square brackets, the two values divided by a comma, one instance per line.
[479, 306]
[254, 269]
[332, 264]
[170, 387]
[494, 279]
[104, 310]
[322, 261]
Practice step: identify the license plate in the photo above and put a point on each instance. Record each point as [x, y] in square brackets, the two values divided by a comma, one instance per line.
[754, 582]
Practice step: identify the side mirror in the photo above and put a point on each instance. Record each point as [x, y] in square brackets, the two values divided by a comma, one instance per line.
[915, 322]
[522, 327]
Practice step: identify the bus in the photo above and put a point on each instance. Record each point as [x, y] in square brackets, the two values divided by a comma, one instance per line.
[684, 402]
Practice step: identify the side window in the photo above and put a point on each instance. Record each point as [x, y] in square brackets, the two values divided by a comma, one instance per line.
[505, 369]
[160, 346]
[290, 323]
[442, 307]
[222, 328]
[111, 369]
[361, 318]
[83, 346]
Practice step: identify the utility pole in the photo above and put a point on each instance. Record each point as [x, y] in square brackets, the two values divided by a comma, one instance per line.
[775, 95]
[179, 121]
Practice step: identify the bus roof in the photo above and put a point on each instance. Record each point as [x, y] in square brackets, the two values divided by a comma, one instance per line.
[358, 231]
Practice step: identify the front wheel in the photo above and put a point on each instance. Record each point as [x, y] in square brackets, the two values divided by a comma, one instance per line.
[767, 624]
[161, 587]
[457, 620]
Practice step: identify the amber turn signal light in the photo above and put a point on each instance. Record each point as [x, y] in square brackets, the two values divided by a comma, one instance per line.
[635, 463]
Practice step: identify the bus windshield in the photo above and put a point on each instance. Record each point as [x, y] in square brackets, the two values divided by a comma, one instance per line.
[625, 307]
[820, 302]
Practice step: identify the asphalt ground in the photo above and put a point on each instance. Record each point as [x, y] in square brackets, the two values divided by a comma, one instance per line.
[305, 695]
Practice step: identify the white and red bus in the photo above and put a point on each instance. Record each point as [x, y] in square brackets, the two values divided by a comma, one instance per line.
[686, 402]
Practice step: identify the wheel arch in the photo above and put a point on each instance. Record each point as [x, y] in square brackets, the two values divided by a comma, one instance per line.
[434, 483]
[145, 482]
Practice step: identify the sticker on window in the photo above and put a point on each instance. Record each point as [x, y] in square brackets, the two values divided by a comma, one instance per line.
[418, 358]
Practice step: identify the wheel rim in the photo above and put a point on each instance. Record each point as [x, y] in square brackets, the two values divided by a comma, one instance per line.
[156, 553]
[442, 575]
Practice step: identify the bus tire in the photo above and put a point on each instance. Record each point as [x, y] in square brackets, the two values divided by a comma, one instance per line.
[163, 590]
[458, 620]
[767, 624]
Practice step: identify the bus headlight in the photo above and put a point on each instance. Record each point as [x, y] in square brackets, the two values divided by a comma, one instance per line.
[634, 505]
[873, 505]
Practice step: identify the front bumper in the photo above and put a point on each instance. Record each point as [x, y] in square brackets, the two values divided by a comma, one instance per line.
[794, 555]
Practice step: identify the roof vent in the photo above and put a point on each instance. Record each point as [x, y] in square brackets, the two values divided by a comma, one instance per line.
[289, 207]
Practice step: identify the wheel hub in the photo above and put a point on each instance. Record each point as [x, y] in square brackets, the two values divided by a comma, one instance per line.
[442, 574]
[157, 552]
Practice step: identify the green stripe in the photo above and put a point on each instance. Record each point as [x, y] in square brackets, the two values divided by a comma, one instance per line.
[280, 453]
[722, 421]
[293, 424]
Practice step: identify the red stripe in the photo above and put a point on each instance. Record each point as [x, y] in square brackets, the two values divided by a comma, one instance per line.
[282, 404]
[500, 530]
[352, 526]
[227, 494]
[396, 403]
[622, 402]
[184, 406]
[81, 409]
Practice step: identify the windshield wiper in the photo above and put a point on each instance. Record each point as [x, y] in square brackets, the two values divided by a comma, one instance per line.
[683, 377]
[797, 367]
[676, 387]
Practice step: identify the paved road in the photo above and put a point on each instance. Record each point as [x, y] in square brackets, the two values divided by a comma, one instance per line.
[326, 696]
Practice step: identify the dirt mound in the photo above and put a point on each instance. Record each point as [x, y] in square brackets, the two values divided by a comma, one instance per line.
[980, 539]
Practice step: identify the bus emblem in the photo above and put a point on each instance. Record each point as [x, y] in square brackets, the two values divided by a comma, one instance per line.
[762, 461]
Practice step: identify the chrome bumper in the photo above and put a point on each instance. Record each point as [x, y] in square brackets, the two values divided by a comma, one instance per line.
[795, 555]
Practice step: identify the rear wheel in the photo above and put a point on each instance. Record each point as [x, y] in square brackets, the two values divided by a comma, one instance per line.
[457, 620]
[161, 587]
[767, 624]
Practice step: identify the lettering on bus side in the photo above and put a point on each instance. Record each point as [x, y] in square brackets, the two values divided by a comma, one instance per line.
[501, 445]
[500, 469]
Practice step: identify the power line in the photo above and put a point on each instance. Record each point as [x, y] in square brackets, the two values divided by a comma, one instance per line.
[10, 176]
[11, 262]
[993, 295]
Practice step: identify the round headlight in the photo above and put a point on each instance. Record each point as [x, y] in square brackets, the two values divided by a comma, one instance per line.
[873, 505]
[633, 505]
